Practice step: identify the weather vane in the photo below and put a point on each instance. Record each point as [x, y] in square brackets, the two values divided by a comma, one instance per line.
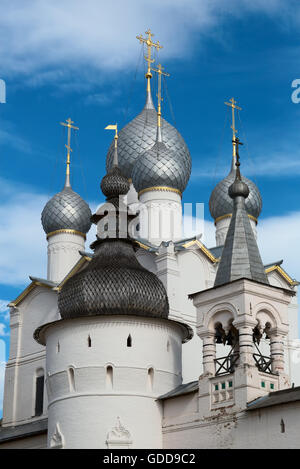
[115, 128]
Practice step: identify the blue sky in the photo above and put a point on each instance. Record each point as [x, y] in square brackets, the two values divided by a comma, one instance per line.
[81, 59]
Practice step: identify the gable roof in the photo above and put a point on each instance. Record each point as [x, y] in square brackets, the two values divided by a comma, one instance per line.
[35, 282]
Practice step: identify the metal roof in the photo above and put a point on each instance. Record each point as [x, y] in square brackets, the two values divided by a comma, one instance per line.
[23, 431]
[181, 390]
[284, 396]
[240, 256]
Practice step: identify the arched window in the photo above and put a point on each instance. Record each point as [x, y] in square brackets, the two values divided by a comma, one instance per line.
[109, 377]
[89, 341]
[39, 393]
[282, 426]
[150, 379]
[58, 347]
[71, 379]
[129, 341]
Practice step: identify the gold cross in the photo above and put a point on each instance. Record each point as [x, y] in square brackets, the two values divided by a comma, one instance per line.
[148, 57]
[160, 72]
[69, 125]
[233, 104]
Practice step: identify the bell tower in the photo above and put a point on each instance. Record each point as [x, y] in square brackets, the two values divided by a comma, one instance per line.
[237, 317]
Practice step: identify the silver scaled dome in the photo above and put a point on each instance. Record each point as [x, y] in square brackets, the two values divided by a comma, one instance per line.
[159, 166]
[66, 210]
[221, 204]
[139, 135]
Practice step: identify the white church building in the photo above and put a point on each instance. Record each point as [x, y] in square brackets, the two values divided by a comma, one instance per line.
[150, 340]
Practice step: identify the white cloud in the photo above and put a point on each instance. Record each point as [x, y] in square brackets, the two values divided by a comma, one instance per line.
[3, 306]
[3, 331]
[278, 238]
[2, 377]
[274, 166]
[4, 310]
[49, 41]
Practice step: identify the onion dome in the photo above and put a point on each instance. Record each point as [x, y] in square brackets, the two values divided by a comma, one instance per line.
[114, 282]
[139, 135]
[114, 183]
[66, 211]
[221, 204]
[159, 167]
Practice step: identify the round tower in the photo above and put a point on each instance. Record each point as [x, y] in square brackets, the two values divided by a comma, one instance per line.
[66, 218]
[114, 352]
[220, 203]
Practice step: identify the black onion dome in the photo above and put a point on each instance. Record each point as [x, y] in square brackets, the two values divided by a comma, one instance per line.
[114, 183]
[139, 135]
[238, 189]
[220, 203]
[114, 283]
[159, 166]
[66, 210]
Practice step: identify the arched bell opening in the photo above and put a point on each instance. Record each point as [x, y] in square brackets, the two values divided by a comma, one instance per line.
[227, 348]
[262, 347]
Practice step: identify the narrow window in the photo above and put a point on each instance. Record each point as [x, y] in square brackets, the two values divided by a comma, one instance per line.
[58, 347]
[282, 426]
[129, 341]
[168, 346]
[150, 379]
[72, 379]
[109, 377]
[39, 395]
[89, 341]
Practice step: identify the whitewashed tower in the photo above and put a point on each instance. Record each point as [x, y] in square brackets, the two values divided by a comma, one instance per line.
[114, 351]
[221, 205]
[66, 219]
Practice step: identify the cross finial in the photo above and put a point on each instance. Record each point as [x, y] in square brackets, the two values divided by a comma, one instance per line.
[238, 164]
[233, 104]
[159, 71]
[148, 57]
[69, 124]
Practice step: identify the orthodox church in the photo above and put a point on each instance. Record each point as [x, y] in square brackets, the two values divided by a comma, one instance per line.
[150, 340]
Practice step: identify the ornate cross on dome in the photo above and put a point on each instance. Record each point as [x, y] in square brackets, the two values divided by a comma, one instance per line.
[148, 57]
[69, 125]
[233, 104]
[160, 72]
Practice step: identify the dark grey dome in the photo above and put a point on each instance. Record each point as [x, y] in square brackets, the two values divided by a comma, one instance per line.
[220, 203]
[238, 189]
[160, 166]
[114, 283]
[66, 210]
[114, 183]
[140, 135]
